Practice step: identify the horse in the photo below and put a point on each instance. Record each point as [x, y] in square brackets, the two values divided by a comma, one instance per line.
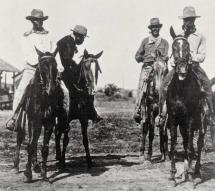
[184, 102]
[80, 83]
[212, 127]
[150, 108]
[38, 109]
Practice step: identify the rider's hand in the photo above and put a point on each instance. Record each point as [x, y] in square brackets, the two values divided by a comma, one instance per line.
[160, 120]
[153, 55]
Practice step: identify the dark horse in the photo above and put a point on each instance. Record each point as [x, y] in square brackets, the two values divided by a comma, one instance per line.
[185, 108]
[79, 80]
[151, 108]
[38, 109]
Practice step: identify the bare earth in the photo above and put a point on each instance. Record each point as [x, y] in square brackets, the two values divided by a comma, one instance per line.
[114, 145]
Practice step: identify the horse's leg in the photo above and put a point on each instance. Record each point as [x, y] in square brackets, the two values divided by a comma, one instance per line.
[162, 143]
[58, 134]
[48, 129]
[212, 131]
[63, 127]
[190, 149]
[84, 125]
[173, 133]
[19, 141]
[65, 144]
[184, 133]
[200, 145]
[28, 171]
[144, 130]
[166, 150]
[34, 134]
[151, 138]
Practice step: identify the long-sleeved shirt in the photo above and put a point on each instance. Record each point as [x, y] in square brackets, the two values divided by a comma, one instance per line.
[33, 39]
[197, 47]
[148, 47]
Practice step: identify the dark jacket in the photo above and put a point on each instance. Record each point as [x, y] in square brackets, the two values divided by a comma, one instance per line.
[67, 48]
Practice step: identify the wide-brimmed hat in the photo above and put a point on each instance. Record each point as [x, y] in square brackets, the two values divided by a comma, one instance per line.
[155, 22]
[189, 12]
[37, 14]
[80, 30]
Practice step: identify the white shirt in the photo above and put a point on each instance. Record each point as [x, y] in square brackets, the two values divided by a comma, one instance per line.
[30, 41]
[197, 47]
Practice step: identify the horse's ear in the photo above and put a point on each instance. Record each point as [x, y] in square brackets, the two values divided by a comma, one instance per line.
[86, 53]
[172, 32]
[39, 53]
[98, 55]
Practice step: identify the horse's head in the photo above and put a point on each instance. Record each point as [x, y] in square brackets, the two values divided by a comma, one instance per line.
[86, 62]
[181, 54]
[90, 58]
[46, 71]
[160, 70]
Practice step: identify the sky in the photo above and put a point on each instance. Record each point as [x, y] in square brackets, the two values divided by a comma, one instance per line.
[115, 26]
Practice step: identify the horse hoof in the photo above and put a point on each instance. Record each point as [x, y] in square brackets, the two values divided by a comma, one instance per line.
[37, 168]
[43, 175]
[197, 175]
[163, 157]
[141, 159]
[27, 177]
[190, 177]
[148, 157]
[15, 170]
[185, 176]
[172, 182]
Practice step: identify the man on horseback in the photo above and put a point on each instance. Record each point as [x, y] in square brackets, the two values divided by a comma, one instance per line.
[36, 37]
[67, 48]
[197, 44]
[147, 53]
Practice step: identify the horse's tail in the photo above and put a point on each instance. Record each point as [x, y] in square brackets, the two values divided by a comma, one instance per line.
[21, 124]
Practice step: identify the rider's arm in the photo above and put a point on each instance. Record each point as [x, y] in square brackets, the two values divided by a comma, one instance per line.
[199, 55]
[139, 56]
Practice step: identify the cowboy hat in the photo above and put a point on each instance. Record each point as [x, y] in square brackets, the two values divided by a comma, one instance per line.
[155, 22]
[37, 14]
[80, 30]
[189, 12]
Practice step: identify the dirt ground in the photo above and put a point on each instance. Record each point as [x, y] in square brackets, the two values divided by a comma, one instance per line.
[114, 145]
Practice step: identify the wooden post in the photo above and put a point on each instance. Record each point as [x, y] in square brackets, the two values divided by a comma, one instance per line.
[5, 84]
[0, 79]
[13, 86]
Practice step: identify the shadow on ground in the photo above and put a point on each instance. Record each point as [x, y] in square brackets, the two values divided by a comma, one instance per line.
[77, 166]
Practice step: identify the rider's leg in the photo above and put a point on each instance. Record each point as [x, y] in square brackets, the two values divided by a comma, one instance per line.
[145, 71]
[206, 85]
[19, 96]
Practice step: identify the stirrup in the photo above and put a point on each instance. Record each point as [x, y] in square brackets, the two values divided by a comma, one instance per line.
[11, 126]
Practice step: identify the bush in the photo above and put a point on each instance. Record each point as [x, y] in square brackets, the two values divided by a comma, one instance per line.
[110, 89]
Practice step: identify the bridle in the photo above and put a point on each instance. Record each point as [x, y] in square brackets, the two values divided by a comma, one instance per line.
[181, 59]
[42, 82]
